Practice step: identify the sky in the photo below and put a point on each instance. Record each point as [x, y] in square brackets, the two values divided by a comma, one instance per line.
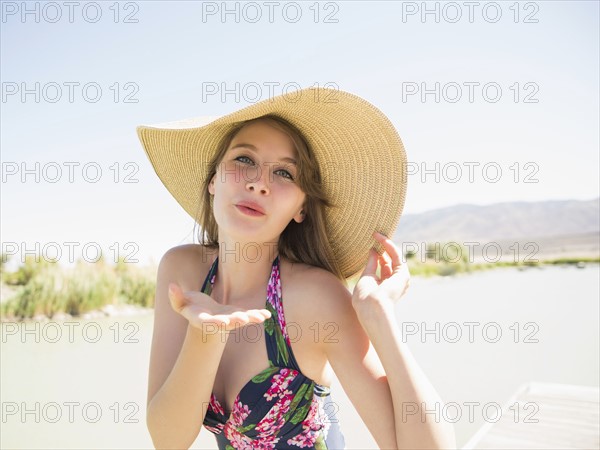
[508, 89]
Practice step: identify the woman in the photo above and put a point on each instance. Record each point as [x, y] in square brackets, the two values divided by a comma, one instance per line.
[251, 323]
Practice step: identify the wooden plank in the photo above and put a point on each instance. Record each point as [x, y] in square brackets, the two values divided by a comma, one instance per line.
[543, 416]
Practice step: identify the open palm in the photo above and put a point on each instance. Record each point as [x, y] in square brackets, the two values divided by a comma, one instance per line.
[205, 313]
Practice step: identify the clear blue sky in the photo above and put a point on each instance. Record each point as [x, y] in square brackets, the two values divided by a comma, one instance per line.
[375, 49]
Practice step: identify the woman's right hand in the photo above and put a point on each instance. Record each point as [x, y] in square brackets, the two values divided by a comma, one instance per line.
[201, 310]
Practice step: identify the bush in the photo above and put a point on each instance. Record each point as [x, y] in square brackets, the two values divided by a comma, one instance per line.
[49, 289]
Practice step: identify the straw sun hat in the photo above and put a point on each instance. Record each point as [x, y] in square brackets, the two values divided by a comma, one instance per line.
[360, 155]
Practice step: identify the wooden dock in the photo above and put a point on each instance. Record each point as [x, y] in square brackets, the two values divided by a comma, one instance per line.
[544, 416]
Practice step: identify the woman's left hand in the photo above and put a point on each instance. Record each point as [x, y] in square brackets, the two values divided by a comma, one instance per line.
[372, 294]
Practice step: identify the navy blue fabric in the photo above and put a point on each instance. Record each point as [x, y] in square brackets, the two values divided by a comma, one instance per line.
[279, 408]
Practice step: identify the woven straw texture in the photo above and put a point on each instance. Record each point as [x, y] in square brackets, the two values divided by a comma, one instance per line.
[360, 155]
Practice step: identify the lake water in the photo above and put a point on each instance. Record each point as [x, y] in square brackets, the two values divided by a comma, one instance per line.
[82, 383]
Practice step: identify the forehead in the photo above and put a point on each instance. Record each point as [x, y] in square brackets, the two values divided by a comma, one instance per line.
[263, 136]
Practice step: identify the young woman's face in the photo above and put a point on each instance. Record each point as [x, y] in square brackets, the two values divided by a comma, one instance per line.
[258, 168]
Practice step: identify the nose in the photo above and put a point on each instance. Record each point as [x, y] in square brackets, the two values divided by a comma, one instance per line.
[256, 179]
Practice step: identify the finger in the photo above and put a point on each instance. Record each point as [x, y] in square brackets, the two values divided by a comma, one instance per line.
[386, 269]
[214, 318]
[238, 317]
[243, 317]
[369, 279]
[390, 247]
[371, 267]
[385, 260]
[259, 314]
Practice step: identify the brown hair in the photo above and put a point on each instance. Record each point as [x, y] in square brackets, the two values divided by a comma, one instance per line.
[304, 242]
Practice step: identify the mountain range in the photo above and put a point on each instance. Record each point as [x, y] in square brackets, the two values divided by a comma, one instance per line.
[558, 227]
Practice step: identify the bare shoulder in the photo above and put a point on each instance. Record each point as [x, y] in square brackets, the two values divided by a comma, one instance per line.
[186, 265]
[316, 280]
[189, 264]
[314, 293]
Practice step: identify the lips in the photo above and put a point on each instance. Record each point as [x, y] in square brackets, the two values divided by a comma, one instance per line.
[252, 205]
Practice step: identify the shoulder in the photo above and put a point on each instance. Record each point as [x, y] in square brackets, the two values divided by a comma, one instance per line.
[315, 292]
[188, 264]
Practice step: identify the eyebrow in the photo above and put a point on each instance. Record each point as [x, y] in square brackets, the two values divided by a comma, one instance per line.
[253, 148]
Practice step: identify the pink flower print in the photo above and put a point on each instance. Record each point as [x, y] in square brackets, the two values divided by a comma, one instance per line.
[237, 439]
[216, 430]
[310, 426]
[323, 418]
[267, 443]
[304, 439]
[280, 383]
[274, 419]
[274, 296]
[239, 414]
[215, 405]
[278, 283]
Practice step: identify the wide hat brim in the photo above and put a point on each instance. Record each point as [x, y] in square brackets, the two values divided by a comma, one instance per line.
[360, 155]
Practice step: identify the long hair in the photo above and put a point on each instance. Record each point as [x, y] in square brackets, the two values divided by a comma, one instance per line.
[304, 242]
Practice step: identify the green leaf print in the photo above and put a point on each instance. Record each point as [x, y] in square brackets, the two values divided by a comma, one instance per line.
[265, 374]
[297, 397]
[270, 326]
[320, 443]
[310, 392]
[281, 348]
[229, 447]
[300, 414]
[245, 429]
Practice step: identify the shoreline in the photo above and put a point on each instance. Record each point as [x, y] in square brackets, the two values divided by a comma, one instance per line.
[106, 311]
[132, 310]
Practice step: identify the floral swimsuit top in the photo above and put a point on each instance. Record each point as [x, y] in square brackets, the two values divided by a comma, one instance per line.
[279, 408]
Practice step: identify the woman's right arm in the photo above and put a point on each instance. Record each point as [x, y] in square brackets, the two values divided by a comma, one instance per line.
[183, 364]
[184, 359]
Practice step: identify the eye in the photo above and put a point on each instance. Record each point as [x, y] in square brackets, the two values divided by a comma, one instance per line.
[289, 175]
[243, 157]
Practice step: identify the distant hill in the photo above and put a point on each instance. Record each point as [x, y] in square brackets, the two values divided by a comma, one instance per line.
[559, 227]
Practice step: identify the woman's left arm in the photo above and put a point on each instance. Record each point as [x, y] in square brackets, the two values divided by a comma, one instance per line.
[416, 404]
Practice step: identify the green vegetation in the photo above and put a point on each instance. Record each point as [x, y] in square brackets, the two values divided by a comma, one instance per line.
[450, 258]
[44, 288]
[39, 287]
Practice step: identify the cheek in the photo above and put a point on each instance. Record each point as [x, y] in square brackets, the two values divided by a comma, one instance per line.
[290, 191]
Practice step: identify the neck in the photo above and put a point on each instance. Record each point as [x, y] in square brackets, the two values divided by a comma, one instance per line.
[243, 272]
